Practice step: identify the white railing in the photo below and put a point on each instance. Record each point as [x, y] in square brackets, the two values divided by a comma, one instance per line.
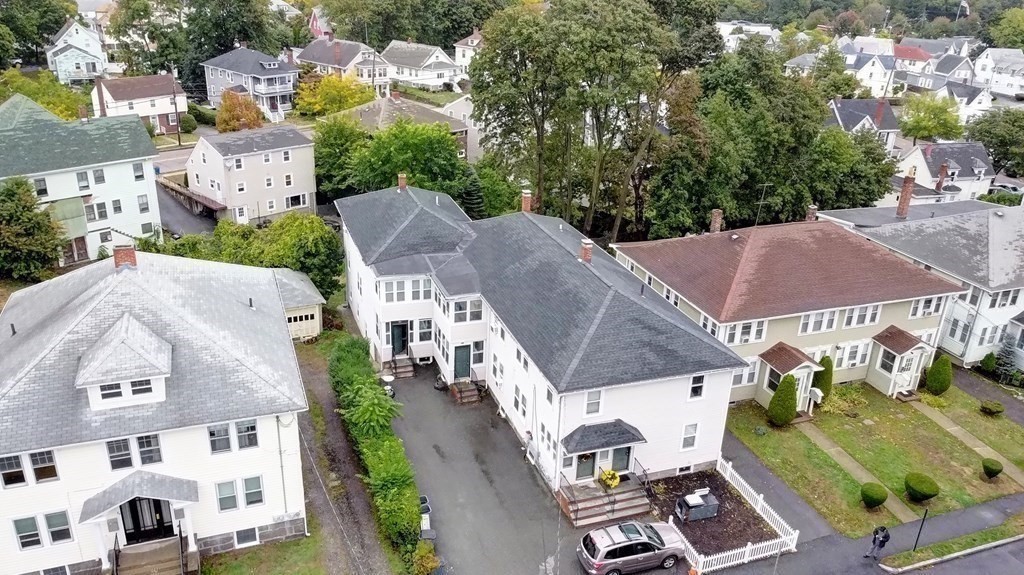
[272, 88]
[786, 541]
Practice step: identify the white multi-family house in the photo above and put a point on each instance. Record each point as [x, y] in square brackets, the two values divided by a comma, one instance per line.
[875, 116]
[341, 57]
[254, 175]
[946, 172]
[866, 45]
[592, 370]
[874, 72]
[95, 175]
[151, 408]
[1001, 70]
[76, 54]
[466, 49]
[985, 259]
[270, 82]
[421, 65]
[762, 292]
[734, 32]
[158, 100]
[952, 67]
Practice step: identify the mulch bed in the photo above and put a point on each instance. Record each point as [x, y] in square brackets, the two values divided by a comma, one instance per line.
[735, 525]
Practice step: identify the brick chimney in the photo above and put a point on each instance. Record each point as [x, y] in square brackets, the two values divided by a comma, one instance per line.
[124, 256]
[527, 201]
[928, 151]
[586, 250]
[401, 182]
[812, 213]
[943, 171]
[879, 109]
[906, 194]
[337, 54]
[716, 220]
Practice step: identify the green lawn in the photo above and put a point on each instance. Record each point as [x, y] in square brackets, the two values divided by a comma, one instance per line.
[1000, 433]
[808, 470]
[1010, 528]
[902, 440]
[438, 99]
[169, 140]
[296, 557]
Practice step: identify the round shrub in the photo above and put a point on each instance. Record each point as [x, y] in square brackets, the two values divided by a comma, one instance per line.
[782, 407]
[940, 376]
[991, 407]
[873, 495]
[187, 123]
[920, 487]
[988, 363]
[991, 467]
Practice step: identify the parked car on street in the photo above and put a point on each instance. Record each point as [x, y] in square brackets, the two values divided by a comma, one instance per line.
[630, 547]
[1007, 187]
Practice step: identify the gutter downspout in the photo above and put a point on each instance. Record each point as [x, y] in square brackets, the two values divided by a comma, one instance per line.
[280, 457]
[558, 438]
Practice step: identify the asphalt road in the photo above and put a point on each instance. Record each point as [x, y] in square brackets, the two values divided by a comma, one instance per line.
[172, 160]
[178, 219]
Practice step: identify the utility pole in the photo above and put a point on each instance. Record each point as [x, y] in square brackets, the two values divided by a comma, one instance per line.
[174, 100]
[373, 75]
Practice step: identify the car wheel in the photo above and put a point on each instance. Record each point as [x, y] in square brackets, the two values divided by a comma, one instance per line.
[668, 562]
[615, 572]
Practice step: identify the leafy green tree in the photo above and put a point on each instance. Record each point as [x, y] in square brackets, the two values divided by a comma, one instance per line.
[30, 241]
[238, 113]
[940, 376]
[472, 197]
[782, 407]
[45, 90]
[1001, 131]
[7, 41]
[925, 116]
[846, 171]
[427, 153]
[830, 75]
[34, 22]
[372, 412]
[215, 26]
[848, 24]
[335, 140]
[1002, 198]
[823, 379]
[939, 27]
[331, 94]
[500, 195]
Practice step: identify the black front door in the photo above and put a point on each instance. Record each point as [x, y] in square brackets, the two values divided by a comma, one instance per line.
[399, 338]
[146, 520]
[461, 361]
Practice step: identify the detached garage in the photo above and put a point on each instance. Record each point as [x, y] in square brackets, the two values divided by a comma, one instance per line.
[302, 303]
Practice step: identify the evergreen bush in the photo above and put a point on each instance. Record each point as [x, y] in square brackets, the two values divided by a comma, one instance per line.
[187, 123]
[940, 376]
[873, 495]
[988, 363]
[920, 487]
[991, 467]
[782, 407]
[823, 379]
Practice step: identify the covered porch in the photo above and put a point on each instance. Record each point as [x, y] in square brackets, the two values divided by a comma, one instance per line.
[783, 359]
[145, 519]
[897, 362]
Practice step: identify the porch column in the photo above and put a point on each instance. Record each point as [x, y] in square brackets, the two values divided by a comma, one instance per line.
[101, 543]
[188, 528]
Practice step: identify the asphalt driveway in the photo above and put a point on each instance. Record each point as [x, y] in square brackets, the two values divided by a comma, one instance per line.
[177, 218]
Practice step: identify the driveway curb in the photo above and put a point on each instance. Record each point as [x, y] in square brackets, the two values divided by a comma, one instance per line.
[951, 556]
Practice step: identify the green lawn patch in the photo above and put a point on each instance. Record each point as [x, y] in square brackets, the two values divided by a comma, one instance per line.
[998, 432]
[899, 440]
[171, 140]
[337, 299]
[807, 470]
[296, 557]
[1010, 528]
[439, 99]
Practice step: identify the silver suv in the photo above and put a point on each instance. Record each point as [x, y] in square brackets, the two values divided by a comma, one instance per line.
[630, 547]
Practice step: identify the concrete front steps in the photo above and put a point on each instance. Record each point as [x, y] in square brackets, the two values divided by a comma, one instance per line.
[589, 506]
[404, 368]
[465, 391]
[157, 558]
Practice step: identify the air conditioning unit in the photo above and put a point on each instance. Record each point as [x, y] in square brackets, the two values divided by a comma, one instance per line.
[745, 340]
[494, 327]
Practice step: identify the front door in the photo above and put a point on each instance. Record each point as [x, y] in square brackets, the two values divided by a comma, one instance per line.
[146, 520]
[585, 465]
[461, 361]
[905, 373]
[399, 338]
[803, 392]
[620, 458]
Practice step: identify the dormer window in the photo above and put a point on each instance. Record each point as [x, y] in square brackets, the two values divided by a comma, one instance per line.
[269, 65]
[142, 386]
[110, 391]
[128, 365]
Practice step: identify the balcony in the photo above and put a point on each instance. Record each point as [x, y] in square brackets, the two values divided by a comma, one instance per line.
[266, 89]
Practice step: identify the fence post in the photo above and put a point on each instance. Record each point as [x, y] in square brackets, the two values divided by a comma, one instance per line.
[760, 503]
[746, 553]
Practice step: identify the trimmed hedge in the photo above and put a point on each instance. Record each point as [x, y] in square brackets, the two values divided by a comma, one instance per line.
[920, 487]
[873, 495]
[187, 123]
[782, 407]
[940, 376]
[988, 363]
[989, 407]
[991, 467]
[204, 116]
[823, 379]
[389, 473]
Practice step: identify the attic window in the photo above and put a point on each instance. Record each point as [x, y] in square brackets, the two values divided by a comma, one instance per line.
[269, 65]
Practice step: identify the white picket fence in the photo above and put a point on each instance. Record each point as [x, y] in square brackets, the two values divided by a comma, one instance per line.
[785, 542]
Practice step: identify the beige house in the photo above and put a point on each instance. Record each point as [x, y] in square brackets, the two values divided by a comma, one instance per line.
[785, 296]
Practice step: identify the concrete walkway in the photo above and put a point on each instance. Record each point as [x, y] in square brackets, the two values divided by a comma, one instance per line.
[982, 390]
[893, 503]
[970, 440]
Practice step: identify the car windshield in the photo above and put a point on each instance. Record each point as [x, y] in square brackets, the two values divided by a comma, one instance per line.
[589, 546]
[653, 535]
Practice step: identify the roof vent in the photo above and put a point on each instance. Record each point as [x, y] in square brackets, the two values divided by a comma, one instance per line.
[999, 213]
[14, 332]
[734, 237]
[250, 304]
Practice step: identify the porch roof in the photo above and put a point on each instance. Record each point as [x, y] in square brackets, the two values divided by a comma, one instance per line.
[1018, 318]
[784, 358]
[587, 438]
[139, 484]
[897, 340]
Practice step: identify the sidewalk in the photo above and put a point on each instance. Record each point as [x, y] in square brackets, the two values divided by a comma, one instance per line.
[970, 440]
[837, 554]
[893, 503]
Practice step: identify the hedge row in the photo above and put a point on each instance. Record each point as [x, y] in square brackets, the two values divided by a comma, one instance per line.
[367, 412]
[202, 115]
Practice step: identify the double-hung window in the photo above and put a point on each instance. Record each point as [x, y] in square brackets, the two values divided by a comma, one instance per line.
[149, 449]
[886, 361]
[142, 386]
[27, 531]
[748, 332]
[286, 156]
[220, 438]
[925, 307]
[44, 468]
[478, 353]
[138, 172]
[239, 164]
[58, 527]
[98, 176]
[227, 499]
[119, 451]
[593, 402]
[861, 316]
[1004, 298]
[253, 491]
[421, 289]
[83, 181]
[476, 310]
[40, 186]
[143, 204]
[774, 378]
[689, 436]
[246, 431]
[709, 325]
[817, 322]
[425, 327]
[697, 387]
[461, 311]
[852, 354]
[11, 471]
[110, 391]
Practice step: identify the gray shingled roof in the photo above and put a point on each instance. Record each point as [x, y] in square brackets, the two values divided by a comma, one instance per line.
[959, 156]
[32, 140]
[873, 217]
[275, 137]
[919, 190]
[803, 61]
[297, 290]
[983, 247]
[934, 46]
[615, 433]
[228, 361]
[383, 112]
[949, 62]
[584, 326]
[250, 63]
[408, 54]
[339, 53]
[848, 113]
[887, 62]
[128, 350]
[139, 483]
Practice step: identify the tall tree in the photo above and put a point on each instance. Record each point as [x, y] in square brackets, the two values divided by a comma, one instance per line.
[330, 94]
[925, 116]
[427, 153]
[238, 113]
[519, 81]
[1002, 133]
[335, 141]
[30, 241]
[215, 26]
[45, 90]
[1009, 31]
[7, 46]
[830, 75]
[472, 197]
[34, 22]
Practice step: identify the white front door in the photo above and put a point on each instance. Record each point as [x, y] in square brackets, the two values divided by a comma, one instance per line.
[240, 215]
[906, 370]
[803, 391]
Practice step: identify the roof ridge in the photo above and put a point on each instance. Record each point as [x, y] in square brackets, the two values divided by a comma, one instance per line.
[394, 234]
[739, 266]
[586, 339]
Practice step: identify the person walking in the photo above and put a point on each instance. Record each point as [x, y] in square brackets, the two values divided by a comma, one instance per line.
[879, 537]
